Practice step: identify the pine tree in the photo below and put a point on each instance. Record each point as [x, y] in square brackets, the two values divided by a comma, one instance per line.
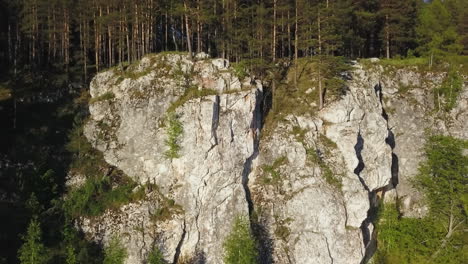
[240, 246]
[32, 251]
[114, 253]
[436, 31]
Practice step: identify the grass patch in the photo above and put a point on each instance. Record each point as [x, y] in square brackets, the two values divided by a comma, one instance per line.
[104, 97]
[410, 240]
[271, 174]
[327, 143]
[98, 195]
[404, 62]
[327, 172]
[174, 131]
[167, 209]
[445, 96]
[105, 187]
[189, 94]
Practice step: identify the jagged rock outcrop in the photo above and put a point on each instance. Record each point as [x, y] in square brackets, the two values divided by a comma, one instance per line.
[408, 96]
[205, 180]
[318, 221]
[311, 185]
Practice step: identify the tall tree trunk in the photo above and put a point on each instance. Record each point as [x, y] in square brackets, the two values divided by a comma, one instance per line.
[296, 43]
[319, 29]
[387, 37]
[273, 50]
[187, 26]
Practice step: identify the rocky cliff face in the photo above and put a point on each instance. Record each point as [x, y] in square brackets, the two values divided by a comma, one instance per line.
[310, 186]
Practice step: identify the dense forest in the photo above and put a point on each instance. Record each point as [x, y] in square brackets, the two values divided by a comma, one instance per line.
[89, 35]
[50, 50]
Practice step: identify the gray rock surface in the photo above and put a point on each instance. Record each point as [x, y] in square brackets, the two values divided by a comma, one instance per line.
[310, 183]
[205, 180]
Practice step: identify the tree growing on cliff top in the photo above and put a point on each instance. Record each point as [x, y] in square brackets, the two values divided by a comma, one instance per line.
[240, 246]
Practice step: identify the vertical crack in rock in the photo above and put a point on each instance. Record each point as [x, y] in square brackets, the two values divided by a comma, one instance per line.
[179, 245]
[255, 127]
[328, 249]
[214, 125]
[259, 231]
[358, 148]
[215, 121]
[359, 168]
[370, 238]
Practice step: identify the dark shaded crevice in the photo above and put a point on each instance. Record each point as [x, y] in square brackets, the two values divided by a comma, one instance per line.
[329, 251]
[179, 245]
[259, 230]
[360, 167]
[366, 233]
[370, 238]
[376, 197]
[215, 120]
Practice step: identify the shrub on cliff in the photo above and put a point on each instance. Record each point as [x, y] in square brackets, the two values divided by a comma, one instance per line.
[115, 253]
[240, 246]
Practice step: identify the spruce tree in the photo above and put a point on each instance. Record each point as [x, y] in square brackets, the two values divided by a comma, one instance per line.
[240, 246]
[32, 251]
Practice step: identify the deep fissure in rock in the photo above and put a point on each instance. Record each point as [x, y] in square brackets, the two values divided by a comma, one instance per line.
[179, 245]
[215, 120]
[360, 167]
[370, 239]
[259, 230]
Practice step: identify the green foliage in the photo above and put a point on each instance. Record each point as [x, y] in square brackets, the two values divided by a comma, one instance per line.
[32, 251]
[189, 94]
[86, 159]
[271, 174]
[114, 253]
[436, 31]
[104, 97]
[240, 246]
[438, 238]
[71, 255]
[327, 173]
[174, 131]
[443, 177]
[404, 62]
[98, 195]
[166, 210]
[156, 257]
[101, 191]
[404, 240]
[448, 92]
[240, 70]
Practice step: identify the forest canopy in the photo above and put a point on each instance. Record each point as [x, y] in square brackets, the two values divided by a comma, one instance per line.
[88, 35]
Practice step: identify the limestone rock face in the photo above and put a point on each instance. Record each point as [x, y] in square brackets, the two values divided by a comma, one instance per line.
[204, 180]
[315, 219]
[409, 101]
[310, 184]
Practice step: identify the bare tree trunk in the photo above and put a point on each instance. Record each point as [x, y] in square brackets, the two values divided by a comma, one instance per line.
[189, 41]
[387, 37]
[296, 43]
[320, 60]
[452, 226]
[273, 50]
